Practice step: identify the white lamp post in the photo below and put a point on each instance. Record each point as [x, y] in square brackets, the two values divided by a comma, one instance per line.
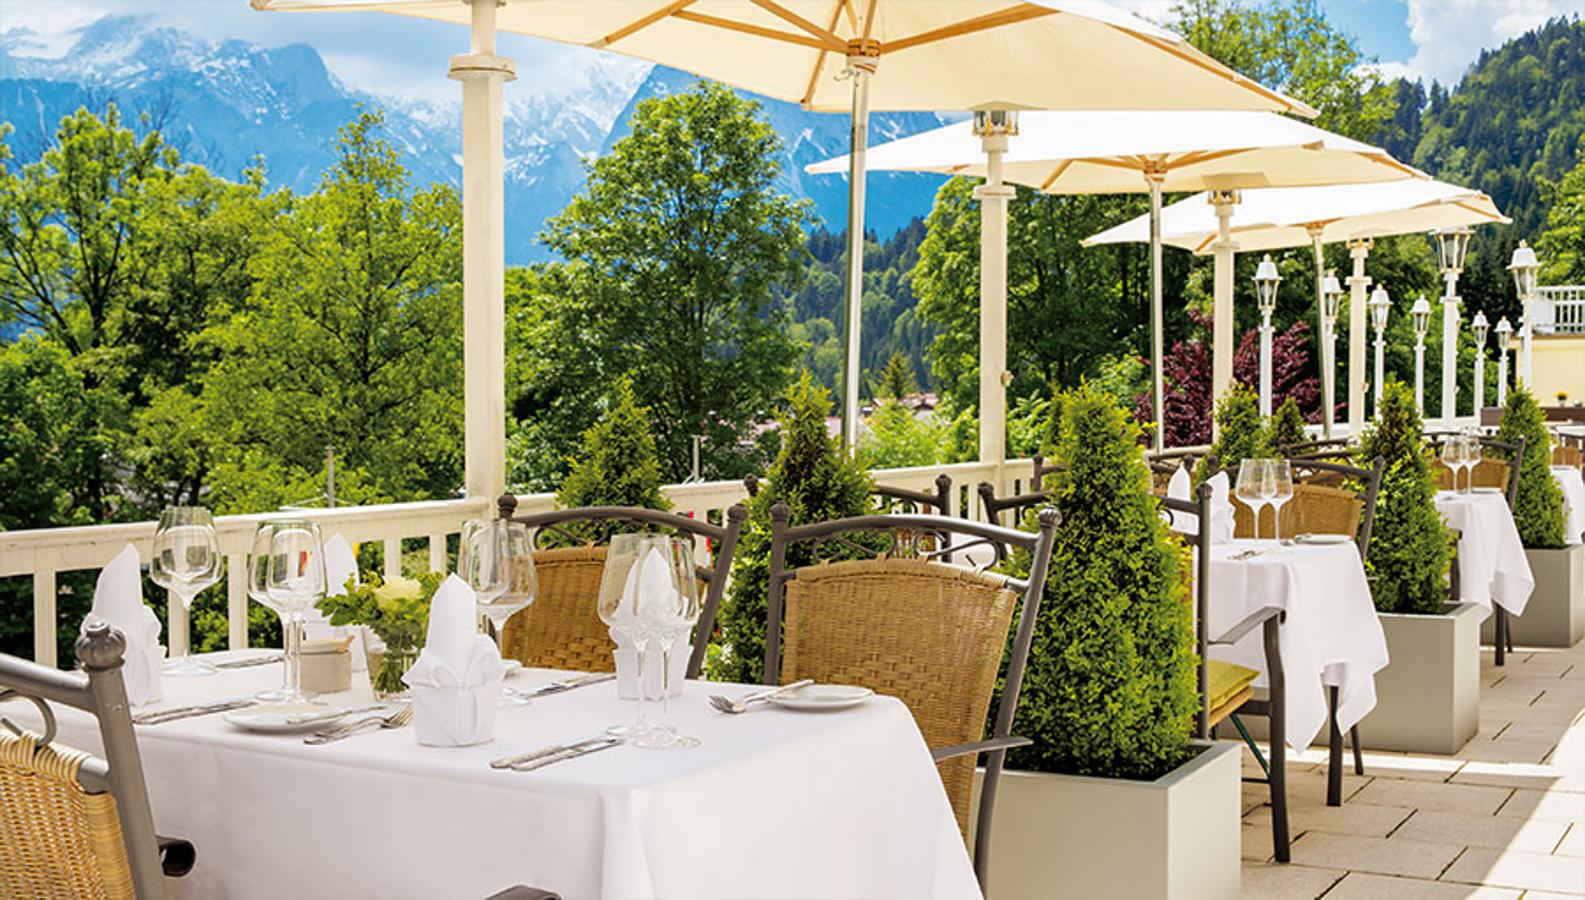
[1504, 341]
[1331, 303]
[1479, 327]
[1420, 315]
[1524, 267]
[1266, 281]
[1451, 246]
[1380, 305]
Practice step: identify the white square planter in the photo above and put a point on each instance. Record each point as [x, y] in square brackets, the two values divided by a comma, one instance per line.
[1428, 697]
[1175, 838]
[1555, 615]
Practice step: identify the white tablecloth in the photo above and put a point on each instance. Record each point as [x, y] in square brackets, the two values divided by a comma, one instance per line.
[1573, 484]
[1330, 636]
[773, 803]
[1492, 566]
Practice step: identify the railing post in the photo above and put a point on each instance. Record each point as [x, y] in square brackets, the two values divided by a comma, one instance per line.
[393, 558]
[437, 553]
[237, 600]
[44, 618]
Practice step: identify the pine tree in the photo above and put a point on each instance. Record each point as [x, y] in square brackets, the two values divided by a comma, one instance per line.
[897, 379]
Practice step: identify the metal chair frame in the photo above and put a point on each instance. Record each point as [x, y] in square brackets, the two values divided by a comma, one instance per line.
[1039, 544]
[724, 536]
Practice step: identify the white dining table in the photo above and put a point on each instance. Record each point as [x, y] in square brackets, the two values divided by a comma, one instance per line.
[1572, 483]
[1492, 567]
[773, 803]
[1330, 635]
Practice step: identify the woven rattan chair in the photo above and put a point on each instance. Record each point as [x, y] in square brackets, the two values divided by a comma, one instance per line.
[561, 629]
[931, 634]
[1564, 455]
[73, 825]
[1227, 689]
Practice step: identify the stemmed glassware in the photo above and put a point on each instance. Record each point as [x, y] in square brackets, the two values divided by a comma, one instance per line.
[1277, 486]
[186, 560]
[259, 592]
[294, 581]
[649, 593]
[1470, 459]
[496, 558]
[669, 616]
[1251, 488]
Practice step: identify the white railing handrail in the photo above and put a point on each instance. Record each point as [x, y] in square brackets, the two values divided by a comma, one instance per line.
[1560, 309]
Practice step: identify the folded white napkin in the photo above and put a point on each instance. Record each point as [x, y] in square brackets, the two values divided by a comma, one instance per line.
[340, 565]
[118, 599]
[1221, 506]
[457, 678]
[627, 666]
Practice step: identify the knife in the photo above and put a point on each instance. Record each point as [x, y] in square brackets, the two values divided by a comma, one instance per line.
[198, 709]
[331, 714]
[570, 753]
[557, 687]
[507, 762]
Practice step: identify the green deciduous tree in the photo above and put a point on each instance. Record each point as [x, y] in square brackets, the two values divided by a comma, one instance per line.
[1562, 245]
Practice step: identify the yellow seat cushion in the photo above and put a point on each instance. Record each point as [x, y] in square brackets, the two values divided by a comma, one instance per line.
[1226, 681]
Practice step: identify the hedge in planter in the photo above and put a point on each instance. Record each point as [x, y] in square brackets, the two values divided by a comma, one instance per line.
[1410, 547]
[1241, 433]
[1110, 689]
[819, 481]
[1538, 507]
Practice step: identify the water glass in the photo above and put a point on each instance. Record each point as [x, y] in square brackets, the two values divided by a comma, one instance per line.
[186, 560]
[1277, 484]
[649, 593]
[259, 592]
[294, 581]
[1250, 488]
[496, 558]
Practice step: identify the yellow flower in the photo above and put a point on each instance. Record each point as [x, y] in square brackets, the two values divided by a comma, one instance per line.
[395, 590]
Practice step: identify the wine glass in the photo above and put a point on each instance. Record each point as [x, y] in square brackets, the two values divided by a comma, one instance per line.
[186, 560]
[294, 581]
[259, 592]
[636, 573]
[1277, 485]
[1471, 459]
[1454, 451]
[496, 559]
[1249, 489]
[668, 615]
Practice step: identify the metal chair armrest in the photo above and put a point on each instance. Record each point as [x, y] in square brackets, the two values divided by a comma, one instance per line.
[978, 747]
[1246, 625]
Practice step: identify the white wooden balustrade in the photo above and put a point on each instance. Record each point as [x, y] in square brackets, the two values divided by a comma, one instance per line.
[45, 553]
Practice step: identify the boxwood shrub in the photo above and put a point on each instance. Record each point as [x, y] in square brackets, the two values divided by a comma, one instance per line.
[1538, 507]
[1410, 547]
[1241, 433]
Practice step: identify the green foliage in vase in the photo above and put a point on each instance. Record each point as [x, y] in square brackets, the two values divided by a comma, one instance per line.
[1410, 547]
[1538, 506]
[397, 610]
[1242, 433]
[1110, 689]
[819, 481]
[1287, 426]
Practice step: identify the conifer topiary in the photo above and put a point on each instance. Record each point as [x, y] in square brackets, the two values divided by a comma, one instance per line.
[1410, 547]
[617, 465]
[1538, 506]
[818, 481]
[1110, 689]
[1241, 433]
[1287, 426]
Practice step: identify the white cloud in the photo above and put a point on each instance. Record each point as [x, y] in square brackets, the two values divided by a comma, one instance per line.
[1449, 34]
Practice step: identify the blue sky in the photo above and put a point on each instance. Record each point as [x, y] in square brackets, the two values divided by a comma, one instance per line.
[390, 55]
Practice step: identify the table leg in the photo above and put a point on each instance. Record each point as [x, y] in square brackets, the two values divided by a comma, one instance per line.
[1334, 761]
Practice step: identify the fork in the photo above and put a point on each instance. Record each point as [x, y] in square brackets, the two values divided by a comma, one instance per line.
[348, 729]
[728, 705]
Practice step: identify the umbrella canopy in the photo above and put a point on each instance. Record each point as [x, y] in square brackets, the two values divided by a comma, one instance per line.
[1281, 218]
[933, 54]
[1107, 152]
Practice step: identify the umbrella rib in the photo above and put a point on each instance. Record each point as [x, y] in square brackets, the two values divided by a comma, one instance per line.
[1204, 156]
[869, 22]
[628, 30]
[1010, 16]
[1228, 74]
[853, 16]
[748, 28]
[1062, 167]
[820, 58]
[824, 35]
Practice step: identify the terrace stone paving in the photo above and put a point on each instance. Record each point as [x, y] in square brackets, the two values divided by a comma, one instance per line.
[1503, 819]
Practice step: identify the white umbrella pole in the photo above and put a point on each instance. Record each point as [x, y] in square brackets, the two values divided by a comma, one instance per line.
[1358, 282]
[1157, 325]
[483, 256]
[855, 295]
[1222, 314]
[1328, 370]
[993, 303]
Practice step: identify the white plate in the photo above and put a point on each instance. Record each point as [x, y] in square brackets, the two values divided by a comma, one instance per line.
[1323, 539]
[271, 718]
[823, 697]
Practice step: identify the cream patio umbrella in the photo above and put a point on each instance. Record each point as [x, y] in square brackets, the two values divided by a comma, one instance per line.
[1111, 152]
[1283, 218]
[849, 56]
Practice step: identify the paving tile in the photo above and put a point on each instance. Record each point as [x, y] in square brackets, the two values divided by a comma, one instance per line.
[1462, 798]
[1272, 881]
[1384, 856]
[1513, 868]
[1545, 777]
[1555, 806]
[1573, 843]
[1507, 751]
[1554, 734]
[1411, 768]
[1360, 819]
[1364, 886]
[1535, 836]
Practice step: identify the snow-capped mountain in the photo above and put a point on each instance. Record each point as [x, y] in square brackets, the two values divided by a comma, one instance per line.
[226, 104]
